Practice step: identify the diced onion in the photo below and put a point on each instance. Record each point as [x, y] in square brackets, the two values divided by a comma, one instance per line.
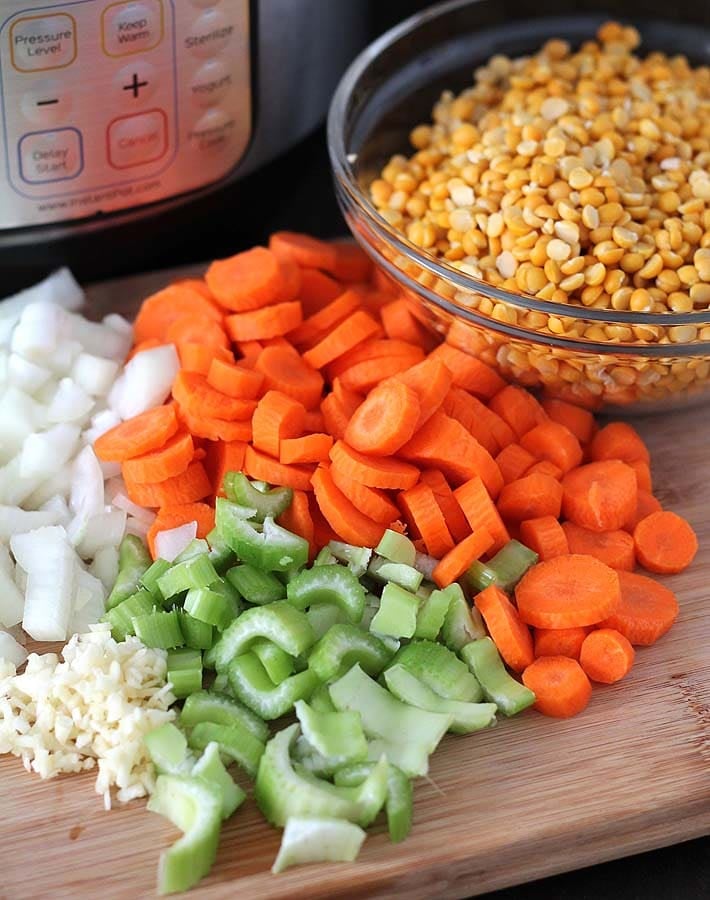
[11, 650]
[171, 542]
[70, 403]
[146, 381]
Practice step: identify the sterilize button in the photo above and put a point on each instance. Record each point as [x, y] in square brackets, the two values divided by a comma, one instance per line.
[48, 156]
[209, 34]
[137, 140]
[132, 27]
[38, 43]
[210, 82]
[47, 103]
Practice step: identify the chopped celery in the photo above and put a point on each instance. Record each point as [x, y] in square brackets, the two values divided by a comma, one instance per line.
[498, 686]
[254, 585]
[196, 547]
[305, 756]
[198, 635]
[320, 699]
[307, 840]
[236, 742]
[195, 807]
[250, 682]
[221, 556]
[432, 614]
[397, 548]
[197, 572]
[133, 560]
[466, 717]
[337, 736]
[209, 706]
[405, 576]
[278, 664]
[221, 683]
[185, 672]
[505, 569]
[272, 503]
[159, 629]
[210, 768]
[462, 623]
[399, 804]
[408, 735]
[279, 622]
[397, 615]
[210, 607]
[149, 579]
[167, 748]
[356, 558]
[231, 596]
[325, 558]
[121, 616]
[323, 616]
[343, 646]
[439, 669]
[328, 584]
[269, 547]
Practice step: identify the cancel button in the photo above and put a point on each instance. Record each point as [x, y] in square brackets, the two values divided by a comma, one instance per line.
[137, 140]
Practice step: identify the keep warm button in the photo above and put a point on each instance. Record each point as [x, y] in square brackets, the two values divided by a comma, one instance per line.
[137, 140]
[132, 27]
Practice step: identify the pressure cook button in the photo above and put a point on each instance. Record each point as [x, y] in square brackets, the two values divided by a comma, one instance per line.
[209, 34]
[47, 103]
[137, 140]
[132, 27]
[38, 43]
[210, 82]
[212, 132]
[47, 156]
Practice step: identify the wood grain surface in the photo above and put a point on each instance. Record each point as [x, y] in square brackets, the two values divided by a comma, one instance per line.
[529, 798]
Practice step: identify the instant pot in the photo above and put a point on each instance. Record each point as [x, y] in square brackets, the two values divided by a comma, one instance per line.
[124, 124]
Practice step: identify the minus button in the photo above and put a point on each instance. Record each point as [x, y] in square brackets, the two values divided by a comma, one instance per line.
[47, 104]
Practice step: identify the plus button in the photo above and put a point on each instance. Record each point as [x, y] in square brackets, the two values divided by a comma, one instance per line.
[135, 85]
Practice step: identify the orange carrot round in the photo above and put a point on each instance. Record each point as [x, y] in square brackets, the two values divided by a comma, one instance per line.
[452, 566]
[373, 502]
[233, 380]
[364, 376]
[193, 329]
[643, 474]
[468, 372]
[518, 408]
[385, 421]
[431, 381]
[481, 512]
[545, 467]
[193, 393]
[141, 434]
[165, 462]
[665, 543]
[601, 496]
[426, 520]
[374, 471]
[513, 462]
[552, 441]
[646, 504]
[347, 334]
[285, 370]
[310, 448]
[377, 348]
[298, 519]
[262, 324]
[646, 610]
[615, 548]
[530, 497]
[617, 440]
[187, 487]
[250, 280]
[349, 523]
[261, 467]
[160, 310]
[302, 249]
[336, 415]
[561, 687]
[545, 536]
[399, 323]
[449, 505]
[276, 416]
[579, 421]
[319, 324]
[215, 429]
[559, 641]
[510, 635]
[351, 263]
[606, 655]
[198, 357]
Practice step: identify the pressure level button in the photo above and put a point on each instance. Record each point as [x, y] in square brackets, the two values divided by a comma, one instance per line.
[39, 43]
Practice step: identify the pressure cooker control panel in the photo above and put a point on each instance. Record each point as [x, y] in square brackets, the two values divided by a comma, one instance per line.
[109, 105]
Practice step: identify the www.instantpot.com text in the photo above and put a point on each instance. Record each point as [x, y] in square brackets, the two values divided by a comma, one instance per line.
[123, 192]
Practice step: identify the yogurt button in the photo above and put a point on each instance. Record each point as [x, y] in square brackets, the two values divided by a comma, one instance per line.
[132, 27]
[210, 83]
[47, 103]
[209, 34]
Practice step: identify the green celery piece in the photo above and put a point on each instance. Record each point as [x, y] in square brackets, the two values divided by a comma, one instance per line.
[505, 569]
[133, 560]
[278, 664]
[337, 736]
[408, 735]
[279, 622]
[149, 579]
[208, 657]
[325, 558]
[498, 686]
[210, 607]
[167, 748]
[439, 669]
[271, 503]
[323, 616]
[399, 805]
[432, 614]
[220, 685]
[282, 792]
[234, 741]
[210, 706]
[269, 547]
[251, 684]
[196, 547]
[254, 585]
[210, 768]
[197, 572]
[185, 671]
[467, 717]
[198, 635]
[305, 756]
[328, 584]
[397, 548]
[231, 595]
[405, 576]
[397, 615]
[121, 616]
[356, 558]
[159, 629]
[195, 807]
[320, 699]
[462, 623]
[221, 556]
[343, 646]
[307, 840]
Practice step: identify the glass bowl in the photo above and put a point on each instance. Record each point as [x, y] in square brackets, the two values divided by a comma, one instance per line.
[601, 358]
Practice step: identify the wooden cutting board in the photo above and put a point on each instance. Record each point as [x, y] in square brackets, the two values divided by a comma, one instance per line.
[529, 798]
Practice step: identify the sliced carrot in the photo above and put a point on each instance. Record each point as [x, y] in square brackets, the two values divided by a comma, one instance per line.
[448, 504]
[347, 334]
[187, 487]
[468, 372]
[474, 416]
[317, 326]
[223, 457]
[615, 548]
[481, 512]
[545, 467]
[249, 352]
[160, 310]
[248, 281]
[462, 557]
[364, 376]
[199, 285]
[518, 408]
[560, 685]
[276, 417]
[567, 591]
[285, 370]
[291, 275]
[553, 442]
[545, 536]
[167, 461]
[643, 474]
[260, 324]
[426, 520]
[385, 420]
[601, 496]
[137, 436]
[665, 543]
[181, 514]
[198, 357]
[374, 471]
[431, 381]
[193, 394]
[617, 440]
[351, 262]
[191, 329]
[559, 641]
[377, 348]
[233, 380]
[579, 421]
[513, 462]
[261, 467]
[215, 429]
[384, 282]
[336, 415]
[348, 522]
[399, 323]
[317, 290]
[606, 656]
[310, 448]
[302, 249]
[372, 502]
[645, 505]
[530, 497]
[147, 344]
[297, 518]
[349, 398]
[646, 610]
[510, 635]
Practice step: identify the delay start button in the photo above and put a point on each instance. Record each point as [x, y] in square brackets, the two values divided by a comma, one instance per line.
[48, 156]
[137, 140]
[132, 27]
[209, 34]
